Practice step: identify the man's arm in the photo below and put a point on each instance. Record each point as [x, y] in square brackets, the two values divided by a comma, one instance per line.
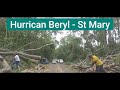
[92, 64]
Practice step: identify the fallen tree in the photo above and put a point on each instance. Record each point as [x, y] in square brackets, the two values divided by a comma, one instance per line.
[36, 57]
[6, 68]
[4, 50]
[23, 54]
[29, 59]
[110, 65]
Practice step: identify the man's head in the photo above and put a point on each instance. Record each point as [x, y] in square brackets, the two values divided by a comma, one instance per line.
[90, 56]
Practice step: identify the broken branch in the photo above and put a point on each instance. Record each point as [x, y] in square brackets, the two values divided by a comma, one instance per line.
[37, 48]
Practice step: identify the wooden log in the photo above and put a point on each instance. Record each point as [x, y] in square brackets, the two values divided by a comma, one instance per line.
[6, 68]
[36, 57]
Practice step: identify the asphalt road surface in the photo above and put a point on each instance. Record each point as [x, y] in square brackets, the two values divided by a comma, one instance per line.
[59, 68]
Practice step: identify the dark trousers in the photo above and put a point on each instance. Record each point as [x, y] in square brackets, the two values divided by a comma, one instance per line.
[16, 63]
[99, 69]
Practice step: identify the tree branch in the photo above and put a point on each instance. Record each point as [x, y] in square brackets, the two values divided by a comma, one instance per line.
[4, 50]
[24, 45]
[22, 54]
[37, 48]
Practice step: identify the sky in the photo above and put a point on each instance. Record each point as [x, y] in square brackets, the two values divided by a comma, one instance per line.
[60, 36]
[64, 33]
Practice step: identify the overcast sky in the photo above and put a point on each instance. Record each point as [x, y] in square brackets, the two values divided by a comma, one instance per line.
[64, 33]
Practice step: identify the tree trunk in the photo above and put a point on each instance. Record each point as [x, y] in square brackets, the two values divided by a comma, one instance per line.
[22, 54]
[105, 38]
[4, 50]
[6, 68]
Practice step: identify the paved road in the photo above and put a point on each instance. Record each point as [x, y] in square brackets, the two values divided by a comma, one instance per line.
[59, 68]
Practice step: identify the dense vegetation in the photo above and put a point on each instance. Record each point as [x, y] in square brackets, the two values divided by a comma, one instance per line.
[73, 47]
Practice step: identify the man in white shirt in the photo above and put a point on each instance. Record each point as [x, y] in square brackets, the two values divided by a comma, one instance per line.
[17, 58]
[16, 61]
